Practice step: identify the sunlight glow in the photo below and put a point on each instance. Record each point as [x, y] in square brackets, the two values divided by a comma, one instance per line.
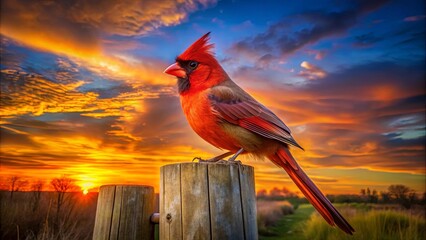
[86, 183]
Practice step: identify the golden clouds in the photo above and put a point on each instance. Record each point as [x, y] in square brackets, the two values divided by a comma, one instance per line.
[32, 94]
[311, 71]
[44, 25]
[78, 29]
[29, 93]
[131, 17]
[138, 73]
[78, 25]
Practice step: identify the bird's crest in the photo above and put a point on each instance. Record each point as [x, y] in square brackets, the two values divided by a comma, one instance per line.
[200, 49]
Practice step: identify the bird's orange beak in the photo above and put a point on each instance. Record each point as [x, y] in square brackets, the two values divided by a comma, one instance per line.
[175, 70]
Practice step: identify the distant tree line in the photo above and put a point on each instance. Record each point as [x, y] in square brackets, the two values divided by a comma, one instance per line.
[35, 209]
[395, 194]
[62, 185]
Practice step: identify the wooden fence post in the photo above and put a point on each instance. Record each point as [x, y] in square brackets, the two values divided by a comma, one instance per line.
[123, 212]
[207, 201]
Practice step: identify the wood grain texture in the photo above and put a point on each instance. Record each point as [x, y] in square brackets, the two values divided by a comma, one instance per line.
[124, 212]
[170, 202]
[148, 208]
[104, 211]
[195, 201]
[116, 212]
[225, 202]
[248, 200]
[207, 201]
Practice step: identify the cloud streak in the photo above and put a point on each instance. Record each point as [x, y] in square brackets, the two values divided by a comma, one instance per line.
[319, 25]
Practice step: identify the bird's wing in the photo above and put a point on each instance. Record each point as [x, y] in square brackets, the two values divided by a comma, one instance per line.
[237, 107]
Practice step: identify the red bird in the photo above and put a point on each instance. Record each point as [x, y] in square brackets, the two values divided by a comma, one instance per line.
[227, 117]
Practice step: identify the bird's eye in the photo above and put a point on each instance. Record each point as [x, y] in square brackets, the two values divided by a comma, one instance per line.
[193, 65]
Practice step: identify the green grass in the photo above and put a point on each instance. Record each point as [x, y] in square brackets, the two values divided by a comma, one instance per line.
[289, 227]
[371, 222]
[370, 225]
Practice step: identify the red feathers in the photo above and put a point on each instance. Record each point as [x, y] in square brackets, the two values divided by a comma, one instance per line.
[207, 72]
[200, 49]
[227, 117]
[284, 159]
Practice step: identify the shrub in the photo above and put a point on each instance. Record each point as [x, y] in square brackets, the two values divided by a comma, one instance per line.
[269, 212]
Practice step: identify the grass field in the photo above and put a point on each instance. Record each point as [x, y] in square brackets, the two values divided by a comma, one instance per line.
[371, 222]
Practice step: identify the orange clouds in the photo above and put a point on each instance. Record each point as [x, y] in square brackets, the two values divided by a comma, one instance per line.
[44, 25]
[311, 71]
[33, 94]
[133, 17]
[77, 29]
[78, 25]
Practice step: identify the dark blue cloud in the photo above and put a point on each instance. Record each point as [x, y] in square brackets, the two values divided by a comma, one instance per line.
[294, 32]
[367, 40]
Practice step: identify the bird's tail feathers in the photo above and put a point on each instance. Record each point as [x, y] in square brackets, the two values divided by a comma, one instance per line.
[284, 159]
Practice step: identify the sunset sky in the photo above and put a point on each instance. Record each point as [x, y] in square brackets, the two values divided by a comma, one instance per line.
[83, 91]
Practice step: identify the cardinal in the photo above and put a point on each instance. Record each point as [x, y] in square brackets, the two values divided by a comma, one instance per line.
[227, 117]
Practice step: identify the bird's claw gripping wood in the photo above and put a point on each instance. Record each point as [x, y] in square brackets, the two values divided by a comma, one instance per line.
[212, 160]
[218, 161]
[200, 160]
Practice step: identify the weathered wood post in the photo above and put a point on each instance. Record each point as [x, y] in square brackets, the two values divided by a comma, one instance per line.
[123, 212]
[207, 201]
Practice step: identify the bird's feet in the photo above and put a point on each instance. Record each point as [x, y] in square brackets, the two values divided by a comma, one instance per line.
[217, 161]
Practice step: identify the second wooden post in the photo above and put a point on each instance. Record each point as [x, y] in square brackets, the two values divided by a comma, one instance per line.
[123, 212]
[207, 201]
